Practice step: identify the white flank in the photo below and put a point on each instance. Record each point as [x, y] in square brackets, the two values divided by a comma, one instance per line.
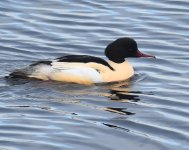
[79, 70]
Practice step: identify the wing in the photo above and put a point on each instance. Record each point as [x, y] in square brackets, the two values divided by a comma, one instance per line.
[83, 59]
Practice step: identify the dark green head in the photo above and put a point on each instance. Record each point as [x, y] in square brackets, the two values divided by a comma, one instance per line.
[123, 48]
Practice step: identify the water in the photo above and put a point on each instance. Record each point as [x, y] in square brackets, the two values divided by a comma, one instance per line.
[149, 112]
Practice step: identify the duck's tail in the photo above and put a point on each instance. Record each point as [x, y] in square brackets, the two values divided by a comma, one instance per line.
[39, 70]
[20, 73]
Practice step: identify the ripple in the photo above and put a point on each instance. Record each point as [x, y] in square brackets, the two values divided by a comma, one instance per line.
[148, 112]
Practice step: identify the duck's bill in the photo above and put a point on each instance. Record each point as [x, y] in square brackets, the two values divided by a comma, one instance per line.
[140, 54]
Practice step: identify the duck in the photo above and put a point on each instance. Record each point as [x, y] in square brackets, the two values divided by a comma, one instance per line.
[85, 69]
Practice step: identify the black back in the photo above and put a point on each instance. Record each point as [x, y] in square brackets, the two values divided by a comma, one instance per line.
[46, 62]
[83, 59]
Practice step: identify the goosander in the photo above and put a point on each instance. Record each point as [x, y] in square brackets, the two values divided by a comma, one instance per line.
[84, 69]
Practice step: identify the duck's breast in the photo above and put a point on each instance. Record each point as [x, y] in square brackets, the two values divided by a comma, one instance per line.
[122, 71]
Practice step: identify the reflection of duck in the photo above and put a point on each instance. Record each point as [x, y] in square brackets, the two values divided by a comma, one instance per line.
[124, 96]
[121, 111]
[84, 69]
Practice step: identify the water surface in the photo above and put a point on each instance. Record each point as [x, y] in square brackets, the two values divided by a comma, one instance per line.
[148, 112]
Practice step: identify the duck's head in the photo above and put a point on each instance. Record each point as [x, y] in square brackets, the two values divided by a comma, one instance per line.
[123, 48]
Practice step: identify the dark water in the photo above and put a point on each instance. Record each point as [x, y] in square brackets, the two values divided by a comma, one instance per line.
[149, 112]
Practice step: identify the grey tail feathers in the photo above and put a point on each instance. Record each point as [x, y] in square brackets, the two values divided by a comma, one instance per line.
[22, 73]
[27, 71]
